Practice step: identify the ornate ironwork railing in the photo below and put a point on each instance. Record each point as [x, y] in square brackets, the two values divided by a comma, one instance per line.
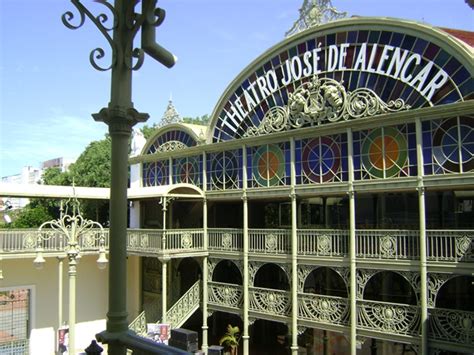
[270, 241]
[323, 242]
[225, 295]
[443, 246]
[184, 239]
[227, 240]
[144, 240]
[452, 325]
[394, 318]
[269, 301]
[387, 244]
[26, 240]
[184, 307]
[323, 309]
[450, 245]
[138, 325]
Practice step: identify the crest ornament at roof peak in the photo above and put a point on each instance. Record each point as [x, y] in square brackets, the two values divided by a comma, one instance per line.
[314, 13]
[170, 115]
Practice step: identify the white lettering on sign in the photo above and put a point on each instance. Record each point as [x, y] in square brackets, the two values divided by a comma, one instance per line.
[395, 62]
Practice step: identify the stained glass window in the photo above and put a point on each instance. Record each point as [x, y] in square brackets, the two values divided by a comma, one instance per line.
[385, 152]
[155, 173]
[224, 170]
[448, 145]
[171, 140]
[321, 159]
[269, 165]
[188, 170]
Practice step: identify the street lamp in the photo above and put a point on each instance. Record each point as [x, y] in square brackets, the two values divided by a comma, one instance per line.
[78, 233]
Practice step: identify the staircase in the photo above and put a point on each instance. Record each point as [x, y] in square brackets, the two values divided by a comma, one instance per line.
[184, 307]
[177, 315]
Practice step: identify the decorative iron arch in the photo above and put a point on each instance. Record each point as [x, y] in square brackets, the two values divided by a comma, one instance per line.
[420, 66]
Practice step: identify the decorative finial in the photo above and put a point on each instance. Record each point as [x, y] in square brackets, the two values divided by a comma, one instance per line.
[170, 115]
[314, 13]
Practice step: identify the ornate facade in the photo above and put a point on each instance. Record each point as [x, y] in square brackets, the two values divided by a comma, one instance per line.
[330, 205]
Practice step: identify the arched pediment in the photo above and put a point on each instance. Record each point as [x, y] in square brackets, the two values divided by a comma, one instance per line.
[347, 69]
[174, 136]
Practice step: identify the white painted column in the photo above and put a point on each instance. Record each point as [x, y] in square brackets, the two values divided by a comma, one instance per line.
[164, 290]
[294, 255]
[423, 262]
[352, 247]
[205, 327]
[245, 332]
[60, 297]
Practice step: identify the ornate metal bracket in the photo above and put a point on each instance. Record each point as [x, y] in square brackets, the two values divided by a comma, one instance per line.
[150, 18]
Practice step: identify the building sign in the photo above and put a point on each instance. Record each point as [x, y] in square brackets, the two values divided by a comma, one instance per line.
[394, 66]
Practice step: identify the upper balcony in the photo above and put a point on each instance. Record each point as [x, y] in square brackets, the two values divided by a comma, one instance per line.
[444, 247]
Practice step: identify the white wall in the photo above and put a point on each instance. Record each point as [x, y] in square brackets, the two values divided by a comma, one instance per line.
[91, 299]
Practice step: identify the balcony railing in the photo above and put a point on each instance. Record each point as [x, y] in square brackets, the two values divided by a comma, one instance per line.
[224, 294]
[323, 309]
[269, 301]
[323, 242]
[452, 326]
[270, 241]
[442, 245]
[387, 244]
[393, 318]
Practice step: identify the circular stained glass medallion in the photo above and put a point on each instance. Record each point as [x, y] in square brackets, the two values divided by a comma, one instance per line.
[224, 169]
[321, 159]
[268, 165]
[446, 144]
[384, 148]
[187, 170]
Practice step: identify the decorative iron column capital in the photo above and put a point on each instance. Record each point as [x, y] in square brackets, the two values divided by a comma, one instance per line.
[120, 119]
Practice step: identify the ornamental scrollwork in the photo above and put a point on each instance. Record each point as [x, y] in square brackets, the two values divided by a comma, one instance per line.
[325, 309]
[227, 241]
[271, 242]
[324, 244]
[211, 265]
[274, 302]
[225, 294]
[463, 246]
[186, 241]
[452, 326]
[146, 21]
[29, 242]
[322, 100]
[144, 241]
[171, 146]
[388, 246]
[435, 282]
[303, 272]
[363, 276]
[133, 240]
[391, 318]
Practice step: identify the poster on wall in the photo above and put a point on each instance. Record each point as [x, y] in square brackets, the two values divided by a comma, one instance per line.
[159, 332]
[63, 340]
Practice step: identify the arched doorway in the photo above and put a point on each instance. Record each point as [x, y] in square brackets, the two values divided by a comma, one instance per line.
[457, 294]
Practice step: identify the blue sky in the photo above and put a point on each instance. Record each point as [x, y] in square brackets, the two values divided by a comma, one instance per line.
[48, 89]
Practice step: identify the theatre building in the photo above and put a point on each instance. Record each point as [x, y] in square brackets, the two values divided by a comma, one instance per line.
[327, 208]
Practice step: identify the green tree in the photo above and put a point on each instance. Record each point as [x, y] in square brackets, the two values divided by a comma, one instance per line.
[200, 120]
[32, 216]
[148, 130]
[92, 169]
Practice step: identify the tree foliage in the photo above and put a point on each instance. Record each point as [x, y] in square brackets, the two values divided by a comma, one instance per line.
[200, 120]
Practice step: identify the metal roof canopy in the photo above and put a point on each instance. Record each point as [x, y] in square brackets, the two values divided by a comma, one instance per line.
[99, 193]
